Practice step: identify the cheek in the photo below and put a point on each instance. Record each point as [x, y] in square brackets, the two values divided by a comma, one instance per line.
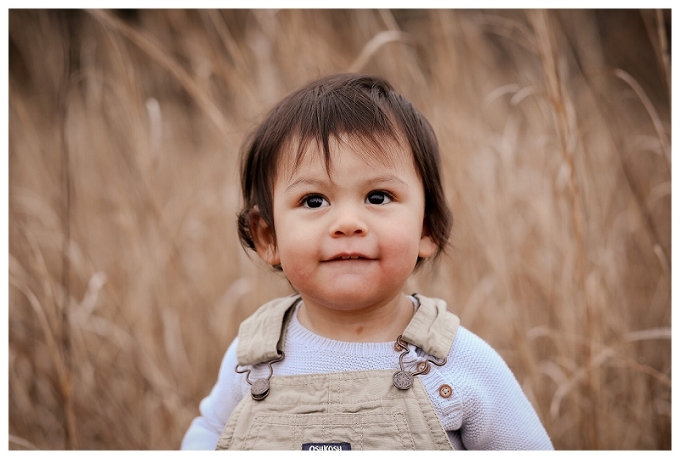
[403, 251]
[297, 273]
[297, 259]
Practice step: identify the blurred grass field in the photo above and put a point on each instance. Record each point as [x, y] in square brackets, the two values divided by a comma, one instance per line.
[126, 278]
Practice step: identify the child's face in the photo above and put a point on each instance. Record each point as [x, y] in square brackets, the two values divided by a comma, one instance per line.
[351, 239]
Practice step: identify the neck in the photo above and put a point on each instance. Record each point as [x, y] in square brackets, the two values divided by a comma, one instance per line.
[373, 324]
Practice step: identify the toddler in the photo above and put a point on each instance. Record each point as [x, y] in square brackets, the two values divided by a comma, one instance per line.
[343, 193]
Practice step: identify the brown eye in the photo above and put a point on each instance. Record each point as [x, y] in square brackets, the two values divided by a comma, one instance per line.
[314, 201]
[378, 197]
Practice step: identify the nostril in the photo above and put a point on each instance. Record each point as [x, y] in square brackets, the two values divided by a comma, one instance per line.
[356, 232]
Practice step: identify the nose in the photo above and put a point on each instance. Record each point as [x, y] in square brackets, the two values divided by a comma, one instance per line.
[348, 222]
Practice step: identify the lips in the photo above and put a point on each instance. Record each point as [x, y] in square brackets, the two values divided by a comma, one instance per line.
[349, 256]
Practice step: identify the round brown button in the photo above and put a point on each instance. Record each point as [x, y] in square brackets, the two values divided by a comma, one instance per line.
[397, 347]
[445, 390]
[423, 368]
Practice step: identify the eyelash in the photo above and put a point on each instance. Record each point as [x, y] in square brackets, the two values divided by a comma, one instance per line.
[304, 202]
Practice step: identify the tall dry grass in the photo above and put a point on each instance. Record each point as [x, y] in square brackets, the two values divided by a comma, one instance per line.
[127, 282]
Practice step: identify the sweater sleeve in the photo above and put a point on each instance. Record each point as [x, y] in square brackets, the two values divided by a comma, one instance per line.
[495, 412]
[215, 409]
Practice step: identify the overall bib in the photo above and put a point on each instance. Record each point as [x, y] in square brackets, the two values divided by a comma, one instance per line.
[359, 410]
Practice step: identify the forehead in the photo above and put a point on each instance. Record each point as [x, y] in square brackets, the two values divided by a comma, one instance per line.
[383, 151]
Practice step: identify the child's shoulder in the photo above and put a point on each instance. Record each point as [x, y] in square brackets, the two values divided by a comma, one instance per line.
[470, 354]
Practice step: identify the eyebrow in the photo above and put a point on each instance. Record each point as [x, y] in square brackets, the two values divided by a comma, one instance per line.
[373, 181]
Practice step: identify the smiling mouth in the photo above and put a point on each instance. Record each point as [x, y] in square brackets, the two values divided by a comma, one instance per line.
[350, 257]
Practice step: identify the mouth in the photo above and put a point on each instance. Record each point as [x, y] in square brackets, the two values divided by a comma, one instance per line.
[349, 256]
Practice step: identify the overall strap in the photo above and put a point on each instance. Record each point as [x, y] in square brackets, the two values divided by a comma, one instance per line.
[261, 336]
[432, 328]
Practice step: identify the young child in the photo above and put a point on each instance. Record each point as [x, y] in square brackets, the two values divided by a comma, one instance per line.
[343, 193]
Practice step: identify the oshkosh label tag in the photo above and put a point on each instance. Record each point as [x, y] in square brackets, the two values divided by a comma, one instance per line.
[326, 446]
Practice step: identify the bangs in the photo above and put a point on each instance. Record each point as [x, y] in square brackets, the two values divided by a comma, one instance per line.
[372, 147]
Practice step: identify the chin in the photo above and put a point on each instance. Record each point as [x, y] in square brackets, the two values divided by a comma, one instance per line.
[350, 299]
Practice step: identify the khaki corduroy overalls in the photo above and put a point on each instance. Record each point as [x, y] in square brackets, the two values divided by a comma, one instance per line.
[358, 410]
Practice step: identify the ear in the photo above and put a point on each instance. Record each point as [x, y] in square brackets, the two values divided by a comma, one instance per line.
[263, 238]
[426, 247]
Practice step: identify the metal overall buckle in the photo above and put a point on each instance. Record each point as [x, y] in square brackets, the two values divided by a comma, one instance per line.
[403, 379]
[260, 388]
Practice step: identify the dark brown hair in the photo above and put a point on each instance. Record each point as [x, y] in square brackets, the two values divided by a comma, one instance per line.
[359, 106]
